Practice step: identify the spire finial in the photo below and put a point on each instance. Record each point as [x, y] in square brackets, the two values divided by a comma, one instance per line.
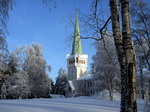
[77, 25]
[77, 8]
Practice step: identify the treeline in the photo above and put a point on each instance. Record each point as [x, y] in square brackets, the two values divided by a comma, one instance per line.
[24, 73]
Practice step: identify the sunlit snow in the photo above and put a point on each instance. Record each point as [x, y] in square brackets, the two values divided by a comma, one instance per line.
[77, 104]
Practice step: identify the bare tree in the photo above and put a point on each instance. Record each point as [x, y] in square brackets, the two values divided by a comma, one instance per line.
[5, 6]
[141, 27]
[106, 67]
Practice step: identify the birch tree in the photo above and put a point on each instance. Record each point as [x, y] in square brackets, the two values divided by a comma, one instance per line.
[126, 55]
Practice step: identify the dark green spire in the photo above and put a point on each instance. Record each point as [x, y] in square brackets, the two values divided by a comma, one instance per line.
[77, 46]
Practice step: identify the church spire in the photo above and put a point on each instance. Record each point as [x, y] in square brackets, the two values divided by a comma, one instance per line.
[77, 46]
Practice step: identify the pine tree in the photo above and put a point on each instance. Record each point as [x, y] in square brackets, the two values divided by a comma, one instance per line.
[61, 82]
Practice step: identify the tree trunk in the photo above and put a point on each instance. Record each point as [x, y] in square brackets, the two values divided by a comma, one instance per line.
[119, 49]
[141, 78]
[129, 58]
[111, 89]
[111, 95]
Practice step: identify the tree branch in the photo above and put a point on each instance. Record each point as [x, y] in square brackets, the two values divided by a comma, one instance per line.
[97, 39]
[101, 32]
[105, 24]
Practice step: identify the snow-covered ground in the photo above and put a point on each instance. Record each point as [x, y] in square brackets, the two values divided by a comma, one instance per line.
[57, 104]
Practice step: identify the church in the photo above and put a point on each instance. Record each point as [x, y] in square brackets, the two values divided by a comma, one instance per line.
[80, 82]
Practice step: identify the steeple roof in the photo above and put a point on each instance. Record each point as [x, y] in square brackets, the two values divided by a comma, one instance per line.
[76, 46]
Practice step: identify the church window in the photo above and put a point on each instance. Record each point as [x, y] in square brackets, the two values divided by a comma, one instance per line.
[82, 61]
[92, 84]
[88, 84]
[71, 61]
[77, 60]
[85, 85]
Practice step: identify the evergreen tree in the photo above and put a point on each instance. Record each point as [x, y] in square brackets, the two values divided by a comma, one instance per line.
[61, 82]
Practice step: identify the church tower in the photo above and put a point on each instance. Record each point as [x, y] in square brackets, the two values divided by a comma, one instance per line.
[76, 61]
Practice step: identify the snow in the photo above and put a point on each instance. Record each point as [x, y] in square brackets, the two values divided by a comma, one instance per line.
[146, 72]
[71, 85]
[104, 95]
[56, 96]
[86, 76]
[76, 104]
[76, 55]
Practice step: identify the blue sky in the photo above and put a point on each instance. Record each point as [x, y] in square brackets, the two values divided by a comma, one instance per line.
[32, 22]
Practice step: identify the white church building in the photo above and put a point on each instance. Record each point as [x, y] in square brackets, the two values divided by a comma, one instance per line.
[80, 82]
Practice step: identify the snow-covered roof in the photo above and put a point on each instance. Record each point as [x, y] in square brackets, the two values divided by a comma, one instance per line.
[71, 85]
[86, 76]
[75, 55]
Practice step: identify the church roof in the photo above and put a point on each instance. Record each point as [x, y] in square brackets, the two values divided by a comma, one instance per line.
[86, 76]
[71, 85]
[76, 46]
